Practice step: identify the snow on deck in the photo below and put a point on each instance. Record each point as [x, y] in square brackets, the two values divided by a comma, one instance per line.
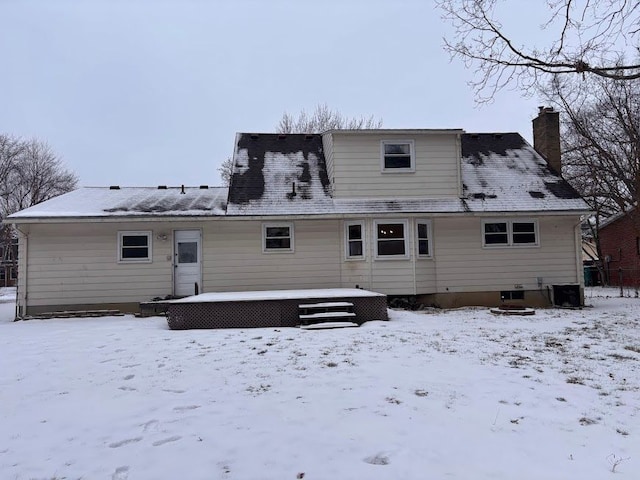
[252, 296]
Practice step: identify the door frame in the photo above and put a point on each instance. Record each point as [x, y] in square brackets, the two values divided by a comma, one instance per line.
[174, 253]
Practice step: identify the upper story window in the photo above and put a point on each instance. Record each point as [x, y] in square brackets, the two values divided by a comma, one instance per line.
[391, 239]
[354, 240]
[277, 237]
[509, 233]
[134, 246]
[397, 156]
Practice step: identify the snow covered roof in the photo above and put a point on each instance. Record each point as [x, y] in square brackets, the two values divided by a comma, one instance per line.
[91, 202]
[279, 174]
[501, 172]
[283, 175]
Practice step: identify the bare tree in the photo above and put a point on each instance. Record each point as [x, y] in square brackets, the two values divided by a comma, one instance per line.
[30, 173]
[600, 144]
[323, 119]
[225, 170]
[594, 38]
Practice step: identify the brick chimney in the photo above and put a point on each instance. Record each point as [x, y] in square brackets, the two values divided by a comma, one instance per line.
[546, 136]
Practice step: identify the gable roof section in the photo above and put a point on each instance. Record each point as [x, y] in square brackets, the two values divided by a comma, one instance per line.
[501, 172]
[279, 174]
[94, 202]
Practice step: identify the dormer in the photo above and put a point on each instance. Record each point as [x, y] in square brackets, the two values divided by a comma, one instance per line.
[389, 163]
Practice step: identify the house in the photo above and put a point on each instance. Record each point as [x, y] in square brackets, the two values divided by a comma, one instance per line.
[449, 217]
[619, 237]
[9, 262]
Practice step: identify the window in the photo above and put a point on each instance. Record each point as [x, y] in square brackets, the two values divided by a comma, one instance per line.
[12, 273]
[134, 246]
[509, 233]
[423, 230]
[512, 295]
[391, 240]
[397, 156]
[277, 237]
[354, 246]
[3, 274]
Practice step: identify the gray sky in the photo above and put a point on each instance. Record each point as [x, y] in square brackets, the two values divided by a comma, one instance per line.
[137, 92]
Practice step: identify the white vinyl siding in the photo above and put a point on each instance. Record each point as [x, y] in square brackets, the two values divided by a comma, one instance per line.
[357, 171]
[234, 260]
[464, 265]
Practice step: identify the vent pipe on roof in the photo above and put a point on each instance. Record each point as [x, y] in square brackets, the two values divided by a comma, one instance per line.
[546, 136]
[182, 192]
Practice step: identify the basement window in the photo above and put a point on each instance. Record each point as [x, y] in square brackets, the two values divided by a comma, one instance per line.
[134, 247]
[397, 156]
[391, 239]
[354, 240]
[277, 237]
[512, 295]
[506, 233]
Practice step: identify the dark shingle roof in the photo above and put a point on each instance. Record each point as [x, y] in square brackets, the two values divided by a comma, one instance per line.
[279, 174]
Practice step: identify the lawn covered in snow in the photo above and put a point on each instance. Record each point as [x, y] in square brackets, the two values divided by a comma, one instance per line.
[428, 395]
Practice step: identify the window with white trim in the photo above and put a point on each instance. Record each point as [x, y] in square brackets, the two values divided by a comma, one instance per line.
[391, 239]
[13, 273]
[277, 237]
[354, 240]
[423, 238]
[397, 156]
[134, 246]
[500, 233]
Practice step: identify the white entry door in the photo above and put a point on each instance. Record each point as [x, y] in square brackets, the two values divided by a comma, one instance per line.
[186, 263]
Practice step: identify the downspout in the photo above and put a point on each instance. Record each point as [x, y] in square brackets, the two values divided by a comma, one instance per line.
[413, 249]
[22, 273]
[579, 267]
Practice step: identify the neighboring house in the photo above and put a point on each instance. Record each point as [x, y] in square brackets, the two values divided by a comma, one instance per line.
[450, 217]
[619, 237]
[9, 263]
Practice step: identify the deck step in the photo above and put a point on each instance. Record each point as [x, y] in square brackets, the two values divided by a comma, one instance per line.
[327, 305]
[327, 315]
[326, 325]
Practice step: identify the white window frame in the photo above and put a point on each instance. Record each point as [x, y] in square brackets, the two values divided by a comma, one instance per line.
[348, 224]
[405, 224]
[421, 221]
[145, 233]
[288, 225]
[510, 243]
[412, 154]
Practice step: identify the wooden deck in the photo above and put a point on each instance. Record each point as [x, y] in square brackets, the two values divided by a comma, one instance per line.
[275, 308]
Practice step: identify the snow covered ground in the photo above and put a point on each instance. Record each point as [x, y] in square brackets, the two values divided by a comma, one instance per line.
[453, 394]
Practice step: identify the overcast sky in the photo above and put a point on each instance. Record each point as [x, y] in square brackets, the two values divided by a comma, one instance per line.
[139, 93]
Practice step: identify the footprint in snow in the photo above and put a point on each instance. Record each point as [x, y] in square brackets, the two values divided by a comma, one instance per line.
[129, 377]
[185, 408]
[121, 473]
[169, 390]
[127, 389]
[147, 425]
[175, 438]
[377, 459]
[124, 442]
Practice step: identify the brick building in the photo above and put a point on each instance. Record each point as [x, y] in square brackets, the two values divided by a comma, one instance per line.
[620, 246]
